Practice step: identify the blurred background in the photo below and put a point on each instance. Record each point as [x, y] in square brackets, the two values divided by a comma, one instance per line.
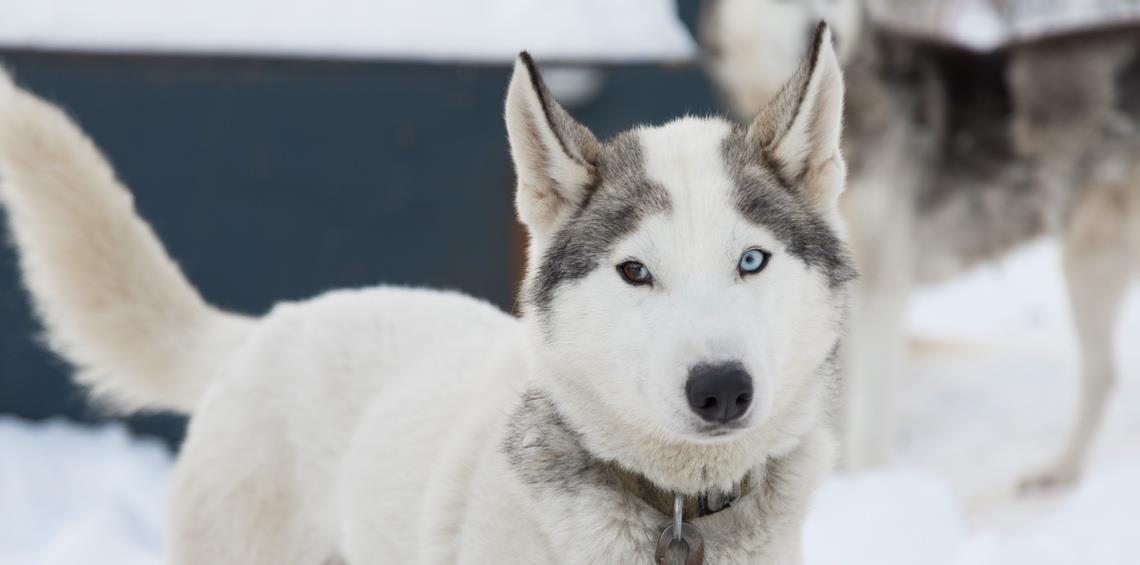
[283, 148]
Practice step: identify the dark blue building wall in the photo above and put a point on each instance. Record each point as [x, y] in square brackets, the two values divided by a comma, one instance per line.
[274, 180]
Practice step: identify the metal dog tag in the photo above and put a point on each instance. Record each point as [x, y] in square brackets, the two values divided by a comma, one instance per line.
[690, 540]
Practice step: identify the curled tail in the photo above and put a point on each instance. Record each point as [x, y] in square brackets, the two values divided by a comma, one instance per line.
[113, 302]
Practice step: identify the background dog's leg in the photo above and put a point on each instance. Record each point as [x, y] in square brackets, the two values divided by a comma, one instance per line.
[1097, 262]
[873, 360]
[879, 215]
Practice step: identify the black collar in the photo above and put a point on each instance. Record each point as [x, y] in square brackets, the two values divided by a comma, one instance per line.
[695, 506]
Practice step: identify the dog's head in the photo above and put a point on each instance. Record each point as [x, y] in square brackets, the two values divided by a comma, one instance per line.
[751, 46]
[684, 281]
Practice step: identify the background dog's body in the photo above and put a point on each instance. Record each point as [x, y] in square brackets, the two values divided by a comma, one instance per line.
[410, 426]
[956, 158]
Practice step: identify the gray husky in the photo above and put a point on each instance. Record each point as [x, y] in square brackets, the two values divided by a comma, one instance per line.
[661, 399]
[955, 159]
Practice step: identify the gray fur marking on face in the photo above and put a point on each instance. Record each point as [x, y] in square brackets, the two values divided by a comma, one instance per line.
[624, 196]
[766, 200]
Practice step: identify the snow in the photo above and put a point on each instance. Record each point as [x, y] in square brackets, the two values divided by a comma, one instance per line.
[1098, 524]
[885, 518]
[432, 30]
[991, 396]
[75, 495]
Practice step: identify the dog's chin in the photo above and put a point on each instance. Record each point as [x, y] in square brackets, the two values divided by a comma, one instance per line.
[706, 433]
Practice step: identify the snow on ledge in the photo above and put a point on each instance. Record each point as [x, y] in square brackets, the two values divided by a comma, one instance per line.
[480, 31]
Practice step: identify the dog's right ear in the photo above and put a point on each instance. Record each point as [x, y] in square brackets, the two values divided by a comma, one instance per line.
[799, 130]
[554, 155]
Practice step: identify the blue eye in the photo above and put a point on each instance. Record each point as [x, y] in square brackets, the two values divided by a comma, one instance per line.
[635, 273]
[753, 261]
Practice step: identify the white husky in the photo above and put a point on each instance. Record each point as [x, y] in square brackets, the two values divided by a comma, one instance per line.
[683, 305]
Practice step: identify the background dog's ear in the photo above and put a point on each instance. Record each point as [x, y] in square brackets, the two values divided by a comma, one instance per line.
[554, 155]
[800, 128]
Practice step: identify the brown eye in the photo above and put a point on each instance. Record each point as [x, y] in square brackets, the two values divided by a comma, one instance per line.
[635, 273]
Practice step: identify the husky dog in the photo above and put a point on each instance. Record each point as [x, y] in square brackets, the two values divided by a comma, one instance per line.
[684, 303]
[955, 159]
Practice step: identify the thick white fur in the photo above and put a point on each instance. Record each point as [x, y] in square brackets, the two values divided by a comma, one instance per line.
[367, 426]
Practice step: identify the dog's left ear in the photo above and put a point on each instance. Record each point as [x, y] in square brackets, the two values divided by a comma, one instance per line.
[800, 128]
[554, 155]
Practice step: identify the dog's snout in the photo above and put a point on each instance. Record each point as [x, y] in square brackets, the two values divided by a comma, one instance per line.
[719, 393]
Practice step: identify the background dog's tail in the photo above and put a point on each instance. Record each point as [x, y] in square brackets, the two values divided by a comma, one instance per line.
[113, 302]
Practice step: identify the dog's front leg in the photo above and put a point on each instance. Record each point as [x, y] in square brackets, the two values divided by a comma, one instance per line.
[879, 213]
[872, 365]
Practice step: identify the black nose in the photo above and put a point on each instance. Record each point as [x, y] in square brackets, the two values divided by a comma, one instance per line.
[719, 393]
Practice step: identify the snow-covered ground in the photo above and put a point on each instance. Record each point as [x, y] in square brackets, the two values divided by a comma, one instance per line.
[991, 396]
[422, 30]
[71, 495]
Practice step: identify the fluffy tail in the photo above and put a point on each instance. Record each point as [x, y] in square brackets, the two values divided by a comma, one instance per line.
[113, 302]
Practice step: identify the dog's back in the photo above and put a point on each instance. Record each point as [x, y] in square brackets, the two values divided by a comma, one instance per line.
[1006, 144]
